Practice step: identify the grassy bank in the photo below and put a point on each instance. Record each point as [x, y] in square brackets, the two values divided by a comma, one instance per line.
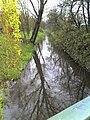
[28, 49]
[74, 42]
[14, 73]
[39, 38]
[27, 53]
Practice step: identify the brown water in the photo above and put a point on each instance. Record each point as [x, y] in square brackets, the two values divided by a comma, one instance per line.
[50, 83]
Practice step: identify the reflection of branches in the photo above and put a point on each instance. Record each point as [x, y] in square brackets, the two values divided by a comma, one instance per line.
[41, 53]
[72, 79]
[30, 96]
[45, 95]
[35, 76]
[36, 105]
[37, 102]
[80, 91]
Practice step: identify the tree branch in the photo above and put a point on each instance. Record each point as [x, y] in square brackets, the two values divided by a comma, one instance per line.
[33, 7]
[45, 2]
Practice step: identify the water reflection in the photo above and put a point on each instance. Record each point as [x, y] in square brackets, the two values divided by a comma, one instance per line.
[49, 84]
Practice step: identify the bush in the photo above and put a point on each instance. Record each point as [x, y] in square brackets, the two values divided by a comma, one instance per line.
[76, 42]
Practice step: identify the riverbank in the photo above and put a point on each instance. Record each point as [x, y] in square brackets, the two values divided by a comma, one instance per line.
[62, 85]
[27, 50]
[75, 43]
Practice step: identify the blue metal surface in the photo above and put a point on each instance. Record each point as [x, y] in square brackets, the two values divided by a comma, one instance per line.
[78, 111]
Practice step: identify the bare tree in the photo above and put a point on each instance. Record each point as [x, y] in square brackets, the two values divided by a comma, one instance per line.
[79, 11]
[39, 13]
[88, 11]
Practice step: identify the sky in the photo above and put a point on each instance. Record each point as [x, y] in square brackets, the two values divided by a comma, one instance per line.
[49, 5]
[52, 3]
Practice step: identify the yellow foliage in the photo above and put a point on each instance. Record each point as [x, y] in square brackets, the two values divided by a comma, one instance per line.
[12, 44]
[10, 23]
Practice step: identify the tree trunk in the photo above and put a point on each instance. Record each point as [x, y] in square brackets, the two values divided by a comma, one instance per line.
[88, 13]
[37, 24]
[84, 16]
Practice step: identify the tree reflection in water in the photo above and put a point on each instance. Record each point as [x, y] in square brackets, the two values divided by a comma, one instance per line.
[49, 89]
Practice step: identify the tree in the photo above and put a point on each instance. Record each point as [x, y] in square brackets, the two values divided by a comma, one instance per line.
[24, 18]
[30, 20]
[82, 9]
[52, 21]
[11, 42]
[38, 14]
[10, 50]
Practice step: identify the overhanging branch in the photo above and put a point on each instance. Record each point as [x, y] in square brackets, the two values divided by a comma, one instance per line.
[33, 7]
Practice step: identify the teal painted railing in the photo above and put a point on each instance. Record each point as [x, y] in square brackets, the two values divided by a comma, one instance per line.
[78, 111]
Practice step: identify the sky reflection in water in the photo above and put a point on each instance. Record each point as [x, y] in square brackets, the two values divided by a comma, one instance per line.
[48, 89]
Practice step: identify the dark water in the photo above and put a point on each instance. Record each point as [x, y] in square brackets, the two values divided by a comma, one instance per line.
[49, 84]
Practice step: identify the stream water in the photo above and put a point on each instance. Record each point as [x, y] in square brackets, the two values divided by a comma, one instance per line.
[50, 83]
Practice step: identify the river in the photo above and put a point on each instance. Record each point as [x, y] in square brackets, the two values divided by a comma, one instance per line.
[50, 82]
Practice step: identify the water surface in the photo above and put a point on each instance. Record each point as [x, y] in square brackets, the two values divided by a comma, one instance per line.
[50, 83]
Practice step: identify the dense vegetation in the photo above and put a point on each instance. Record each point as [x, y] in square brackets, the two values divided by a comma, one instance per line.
[27, 52]
[16, 48]
[70, 31]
